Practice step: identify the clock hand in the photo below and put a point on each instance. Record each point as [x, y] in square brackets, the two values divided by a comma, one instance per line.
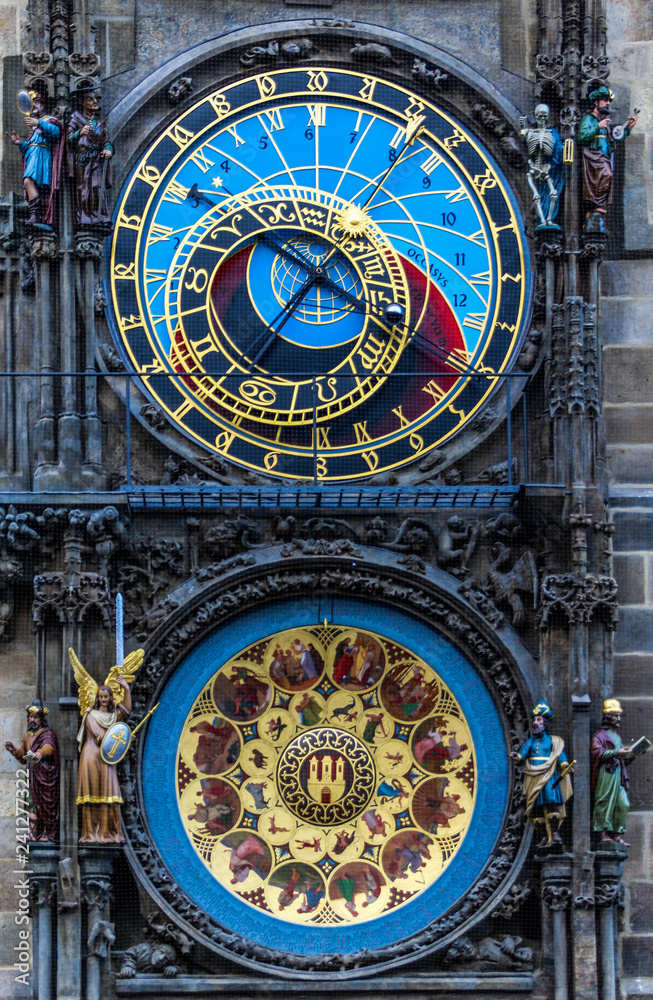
[362, 305]
[413, 131]
[288, 310]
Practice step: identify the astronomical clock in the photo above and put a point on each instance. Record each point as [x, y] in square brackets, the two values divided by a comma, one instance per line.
[318, 274]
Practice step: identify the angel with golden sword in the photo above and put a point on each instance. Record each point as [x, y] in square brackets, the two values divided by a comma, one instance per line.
[98, 791]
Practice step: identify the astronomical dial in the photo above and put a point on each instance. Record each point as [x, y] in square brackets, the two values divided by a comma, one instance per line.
[318, 273]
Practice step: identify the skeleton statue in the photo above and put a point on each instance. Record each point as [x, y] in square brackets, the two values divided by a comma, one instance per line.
[545, 167]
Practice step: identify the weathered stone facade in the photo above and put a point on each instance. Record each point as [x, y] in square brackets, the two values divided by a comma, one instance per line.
[71, 538]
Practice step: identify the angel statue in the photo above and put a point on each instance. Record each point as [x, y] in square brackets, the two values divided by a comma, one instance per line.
[98, 791]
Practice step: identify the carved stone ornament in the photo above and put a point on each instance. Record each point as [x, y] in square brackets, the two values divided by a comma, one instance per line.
[71, 600]
[606, 895]
[84, 64]
[37, 64]
[549, 73]
[180, 88]
[556, 897]
[246, 588]
[578, 600]
[436, 77]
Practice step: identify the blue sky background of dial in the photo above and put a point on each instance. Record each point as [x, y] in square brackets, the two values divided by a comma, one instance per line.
[255, 149]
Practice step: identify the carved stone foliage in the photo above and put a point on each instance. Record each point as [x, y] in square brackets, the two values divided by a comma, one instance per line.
[328, 575]
[499, 575]
[145, 571]
[512, 901]
[556, 897]
[575, 600]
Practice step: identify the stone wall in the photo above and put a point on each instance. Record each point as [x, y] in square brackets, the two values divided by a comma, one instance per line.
[627, 333]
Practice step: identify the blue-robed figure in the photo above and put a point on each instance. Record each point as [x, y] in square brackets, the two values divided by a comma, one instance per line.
[544, 760]
[42, 151]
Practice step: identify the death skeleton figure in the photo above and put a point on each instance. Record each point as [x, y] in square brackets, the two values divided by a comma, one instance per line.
[545, 167]
[98, 791]
[547, 784]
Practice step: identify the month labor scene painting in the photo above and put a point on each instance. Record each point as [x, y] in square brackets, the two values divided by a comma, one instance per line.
[326, 775]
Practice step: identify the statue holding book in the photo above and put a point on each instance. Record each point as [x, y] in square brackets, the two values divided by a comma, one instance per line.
[609, 775]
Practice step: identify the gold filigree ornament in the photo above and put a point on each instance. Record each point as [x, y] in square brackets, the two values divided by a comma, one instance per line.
[325, 777]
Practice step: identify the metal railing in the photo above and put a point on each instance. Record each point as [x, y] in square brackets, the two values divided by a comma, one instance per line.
[55, 389]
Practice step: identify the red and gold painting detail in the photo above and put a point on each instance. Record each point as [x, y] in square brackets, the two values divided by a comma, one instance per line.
[326, 775]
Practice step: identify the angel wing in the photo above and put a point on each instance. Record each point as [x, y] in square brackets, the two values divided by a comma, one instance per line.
[128, 671]
[85, 683]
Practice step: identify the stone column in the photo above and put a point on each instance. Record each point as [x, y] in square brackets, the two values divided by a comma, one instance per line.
[96, 866]
[609, 867]
[43, 862]
[555, 875]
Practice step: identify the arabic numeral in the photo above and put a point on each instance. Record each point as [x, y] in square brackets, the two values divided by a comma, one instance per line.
[448, 219]
[226, 166]
[263, 142]
[460, 300]
[352, 137]
[392, 155]
[309, 134]
[426, 182]
[460, 259]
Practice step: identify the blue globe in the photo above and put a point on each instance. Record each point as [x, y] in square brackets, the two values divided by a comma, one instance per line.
[321, 304]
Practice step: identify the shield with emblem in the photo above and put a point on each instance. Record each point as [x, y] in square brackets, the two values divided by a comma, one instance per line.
[116, 742]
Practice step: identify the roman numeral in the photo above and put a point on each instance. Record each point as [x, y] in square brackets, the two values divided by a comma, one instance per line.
[431, 163]
[275, 120]
[176, 193]
[434, 391]
[475, 321]
[317, 114]
[361, 432]
[202, 161]
[231, 129]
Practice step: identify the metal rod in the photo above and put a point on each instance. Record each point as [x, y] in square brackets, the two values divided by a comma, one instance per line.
[525, 415]
[314, 431]
[129, 431]
[509, 435]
